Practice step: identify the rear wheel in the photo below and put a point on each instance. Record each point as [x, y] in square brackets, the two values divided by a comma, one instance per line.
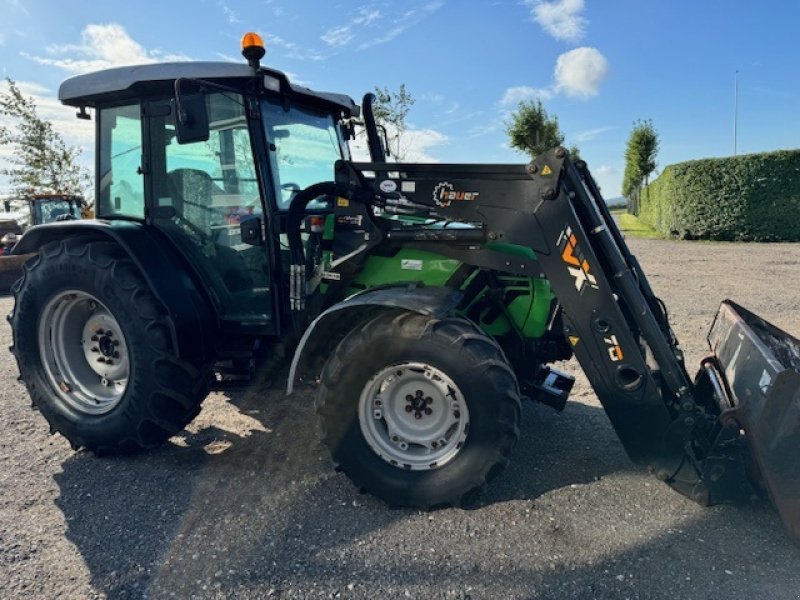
[95, 350]
[418, 411]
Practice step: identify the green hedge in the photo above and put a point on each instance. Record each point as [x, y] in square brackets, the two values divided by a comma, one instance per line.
[755, 197]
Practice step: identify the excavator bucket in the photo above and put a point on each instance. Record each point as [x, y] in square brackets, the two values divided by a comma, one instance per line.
[760, 366]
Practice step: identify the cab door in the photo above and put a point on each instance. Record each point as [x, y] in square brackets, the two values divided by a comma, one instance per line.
[206, 197]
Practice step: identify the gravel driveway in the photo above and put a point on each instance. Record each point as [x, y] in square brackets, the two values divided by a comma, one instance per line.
[245, 504]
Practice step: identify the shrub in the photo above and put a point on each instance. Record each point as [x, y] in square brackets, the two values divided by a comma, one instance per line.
[755, 197]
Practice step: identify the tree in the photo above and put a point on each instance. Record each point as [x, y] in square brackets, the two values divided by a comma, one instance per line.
[533, 131]
[640, 161]
[40, 161]
[391, 109]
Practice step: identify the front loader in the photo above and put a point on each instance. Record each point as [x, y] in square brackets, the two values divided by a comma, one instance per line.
[423, 301]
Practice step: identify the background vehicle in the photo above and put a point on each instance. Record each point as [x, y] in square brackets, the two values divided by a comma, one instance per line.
[428, 300]
[48, 208]
[10, 229]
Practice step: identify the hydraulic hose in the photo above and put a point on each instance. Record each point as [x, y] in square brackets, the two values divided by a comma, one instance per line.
[297, 210]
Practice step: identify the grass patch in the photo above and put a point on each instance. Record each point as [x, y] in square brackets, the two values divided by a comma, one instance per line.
[633, 227]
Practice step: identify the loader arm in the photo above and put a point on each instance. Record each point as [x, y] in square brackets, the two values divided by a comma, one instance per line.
[616, 326]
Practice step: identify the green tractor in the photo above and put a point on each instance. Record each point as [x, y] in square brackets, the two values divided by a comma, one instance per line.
[425, 302]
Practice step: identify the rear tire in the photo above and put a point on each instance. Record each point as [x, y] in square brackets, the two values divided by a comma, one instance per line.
[418, 411]
[95, 350]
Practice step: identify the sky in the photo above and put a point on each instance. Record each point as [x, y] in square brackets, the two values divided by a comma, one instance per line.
[599, 65]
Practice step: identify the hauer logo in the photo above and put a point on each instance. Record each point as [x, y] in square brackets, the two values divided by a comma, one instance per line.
[577, 265]
[444, 194]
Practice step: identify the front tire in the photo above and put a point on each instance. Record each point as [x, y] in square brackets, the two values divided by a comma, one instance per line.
[418, 411]
[95, 350]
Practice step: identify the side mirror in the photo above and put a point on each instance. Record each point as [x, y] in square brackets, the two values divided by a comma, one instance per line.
[191, 118]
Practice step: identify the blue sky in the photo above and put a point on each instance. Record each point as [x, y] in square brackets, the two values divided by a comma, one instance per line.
[598, 64]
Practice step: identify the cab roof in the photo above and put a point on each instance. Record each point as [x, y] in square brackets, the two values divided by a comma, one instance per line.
[120, 83]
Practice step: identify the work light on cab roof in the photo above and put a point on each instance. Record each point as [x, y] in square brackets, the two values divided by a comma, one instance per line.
[253, 48]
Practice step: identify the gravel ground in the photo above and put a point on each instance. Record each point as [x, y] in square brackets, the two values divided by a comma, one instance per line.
[245, 504]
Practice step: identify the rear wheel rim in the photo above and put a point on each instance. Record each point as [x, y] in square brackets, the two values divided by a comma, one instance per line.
[413, 416]
[83, 352]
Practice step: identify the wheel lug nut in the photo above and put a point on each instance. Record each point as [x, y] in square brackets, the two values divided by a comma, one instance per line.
[417, 415]
[419, 394]
[434, 445]
[428, 411]
[410, 398]
[115, 342]
[116, 354]
[95, 349]
[408, 409]
[95, 338]
[101, 360]
[428, 400]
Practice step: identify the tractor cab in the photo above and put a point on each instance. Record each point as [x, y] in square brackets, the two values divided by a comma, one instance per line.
[211, 155]
[49, 208]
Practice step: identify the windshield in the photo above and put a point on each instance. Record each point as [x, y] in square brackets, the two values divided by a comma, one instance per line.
[305, 146]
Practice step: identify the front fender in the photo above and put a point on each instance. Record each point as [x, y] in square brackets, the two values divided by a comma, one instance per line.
[328, 329]
[161, 265]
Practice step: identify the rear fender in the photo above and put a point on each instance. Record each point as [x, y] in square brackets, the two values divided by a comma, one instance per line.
[330, 327]
[194, 322]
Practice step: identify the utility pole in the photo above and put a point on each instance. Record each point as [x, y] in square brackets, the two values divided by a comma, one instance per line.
[736, 112]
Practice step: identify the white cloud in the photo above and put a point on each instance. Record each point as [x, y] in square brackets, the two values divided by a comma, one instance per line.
[416, 145]
[590, 134]
[371, 27]
[405, 21]
[230, 14]
[563, 19]
[338, 36]
[18, 6]
[102, 46]
[516, 94]
[580, 72]
[367, 16]
[342, 35]
[482, 130]
[609, 179]
[292, 49]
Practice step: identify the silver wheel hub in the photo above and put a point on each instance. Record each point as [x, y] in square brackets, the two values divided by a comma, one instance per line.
[83, 352]
[413, 416]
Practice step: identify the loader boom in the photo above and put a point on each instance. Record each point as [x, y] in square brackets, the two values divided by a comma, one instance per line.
[618, 329]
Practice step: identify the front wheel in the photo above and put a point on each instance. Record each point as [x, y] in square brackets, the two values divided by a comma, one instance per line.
[419, 411]
[95, 350]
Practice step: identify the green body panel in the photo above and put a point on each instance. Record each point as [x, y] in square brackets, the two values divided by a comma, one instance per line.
[427, 267]
[530, 299]
[529, 308]
[512, 249]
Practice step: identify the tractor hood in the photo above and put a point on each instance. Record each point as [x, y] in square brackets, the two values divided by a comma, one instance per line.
[116, 84]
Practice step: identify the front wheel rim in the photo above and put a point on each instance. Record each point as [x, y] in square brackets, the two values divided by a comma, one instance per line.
[83, 352]
[413, 416]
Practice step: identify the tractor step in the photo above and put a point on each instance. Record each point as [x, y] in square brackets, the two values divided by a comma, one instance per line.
[549, 386]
